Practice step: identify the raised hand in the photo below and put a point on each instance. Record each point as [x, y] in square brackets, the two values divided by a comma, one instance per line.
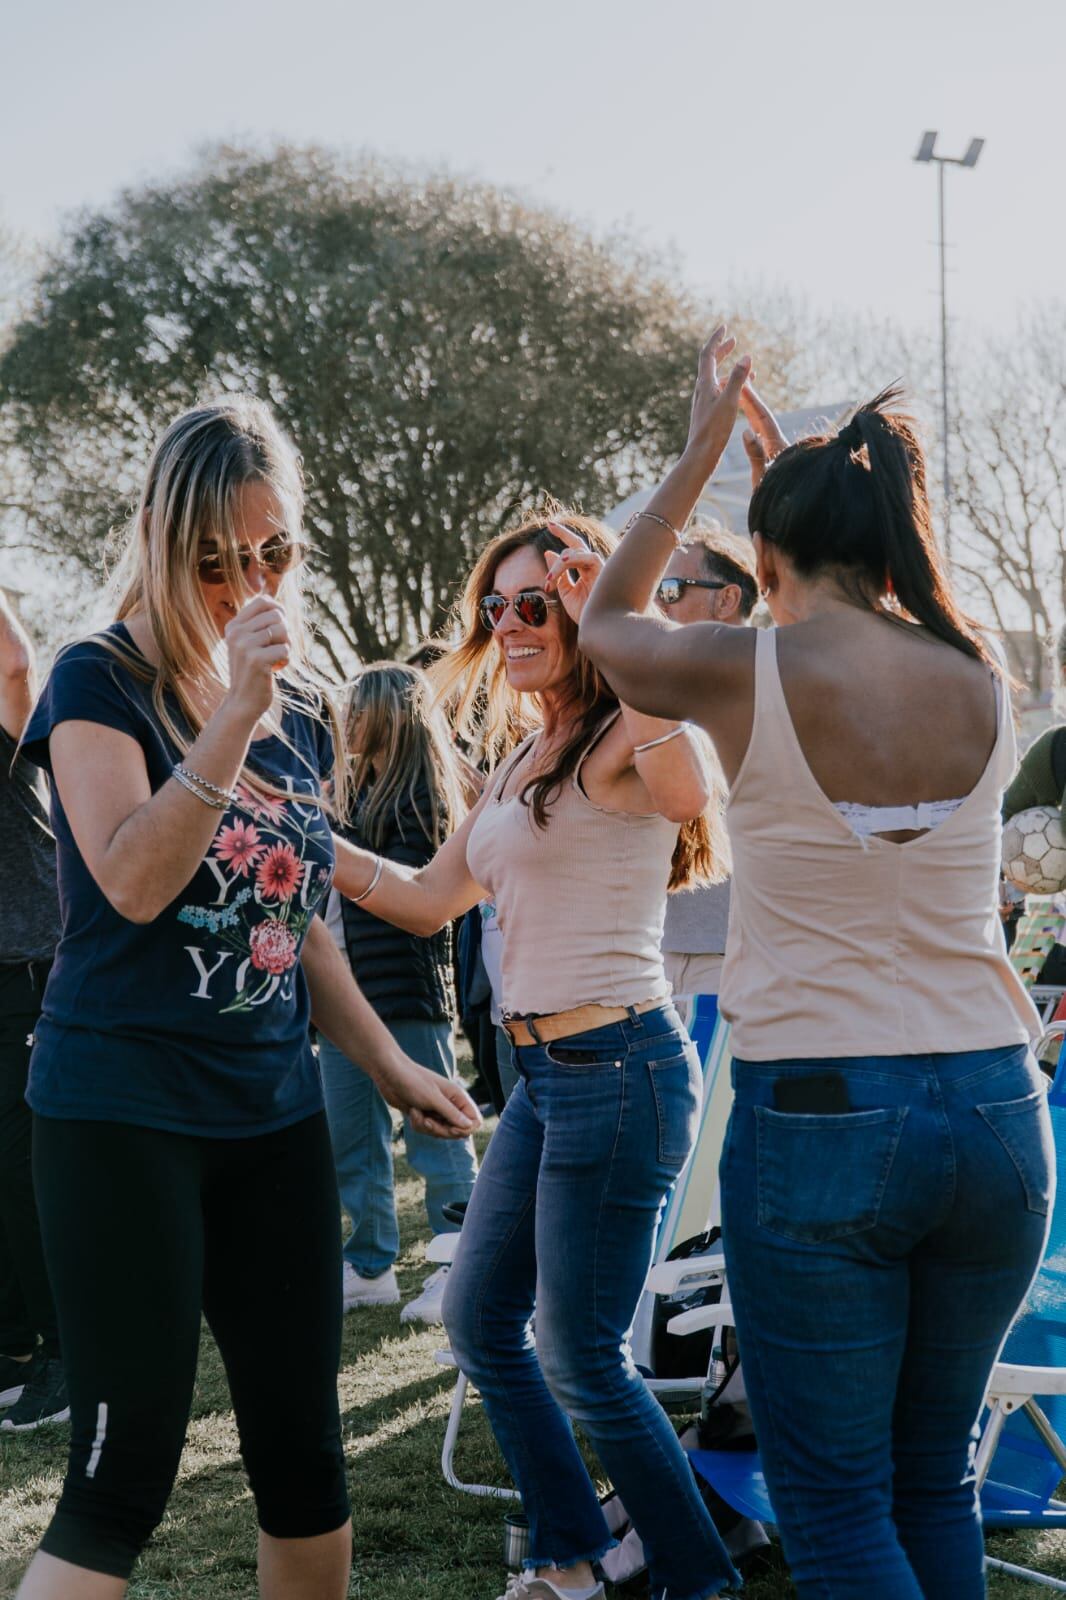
[715, 403]
[763, 440]
[572, 573]
[257, 643]
[435, 1105]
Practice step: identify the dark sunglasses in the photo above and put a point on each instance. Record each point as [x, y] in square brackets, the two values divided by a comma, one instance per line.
[529, 606]
[671, 590]
[279, 556]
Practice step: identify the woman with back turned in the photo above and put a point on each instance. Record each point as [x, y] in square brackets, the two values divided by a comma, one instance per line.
[887, 1174]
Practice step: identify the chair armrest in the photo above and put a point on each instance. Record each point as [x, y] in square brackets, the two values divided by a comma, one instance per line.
[701, 1317]
[442, 1247]
[667, 1277]
[1007, 1380]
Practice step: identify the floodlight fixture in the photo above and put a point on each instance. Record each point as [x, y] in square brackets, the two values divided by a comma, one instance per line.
[927, 155]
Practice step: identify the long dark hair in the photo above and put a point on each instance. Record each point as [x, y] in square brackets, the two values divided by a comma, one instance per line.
[857, 501]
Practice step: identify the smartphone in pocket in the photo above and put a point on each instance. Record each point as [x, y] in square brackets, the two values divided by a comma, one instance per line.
[813, 1094]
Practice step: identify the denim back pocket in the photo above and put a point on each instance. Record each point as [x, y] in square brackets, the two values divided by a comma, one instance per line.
[677, 1088]
[1023, 1129]
[824, 1177]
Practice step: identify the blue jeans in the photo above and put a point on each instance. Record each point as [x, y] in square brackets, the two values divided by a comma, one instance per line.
[875, 1261]
[564, 1214]
[360, 1129]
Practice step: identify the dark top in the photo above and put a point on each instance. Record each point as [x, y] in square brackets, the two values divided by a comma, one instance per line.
[196, 1022]
[403, 976]
[29, 900]
[1041, 776]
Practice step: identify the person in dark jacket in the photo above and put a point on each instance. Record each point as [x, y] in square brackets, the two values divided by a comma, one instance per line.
[408, 794]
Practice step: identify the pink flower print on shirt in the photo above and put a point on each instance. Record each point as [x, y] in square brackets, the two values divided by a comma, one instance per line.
[272, 946]
[265, 807]
[239, 848]
[278, 874]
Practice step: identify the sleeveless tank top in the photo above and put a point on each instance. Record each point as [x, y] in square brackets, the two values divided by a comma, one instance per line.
[580, 903]
[841, 946]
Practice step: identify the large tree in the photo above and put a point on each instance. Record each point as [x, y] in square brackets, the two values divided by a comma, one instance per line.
[440, 353]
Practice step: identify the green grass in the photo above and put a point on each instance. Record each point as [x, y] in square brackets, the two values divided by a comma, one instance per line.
[414, 1537]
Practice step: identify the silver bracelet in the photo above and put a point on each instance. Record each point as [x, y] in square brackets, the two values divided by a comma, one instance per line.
[205, 783]
[662, 739]
[372, 885]
[651, 516]
[187, 782]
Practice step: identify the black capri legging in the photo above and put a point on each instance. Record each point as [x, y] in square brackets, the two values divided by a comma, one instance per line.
[142, 1229]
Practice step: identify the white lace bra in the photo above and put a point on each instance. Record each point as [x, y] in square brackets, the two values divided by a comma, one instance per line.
[865, 821]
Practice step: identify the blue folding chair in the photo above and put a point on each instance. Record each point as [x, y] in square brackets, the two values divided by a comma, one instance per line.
[1021, 1458]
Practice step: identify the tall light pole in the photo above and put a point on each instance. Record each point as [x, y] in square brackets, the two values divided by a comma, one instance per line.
[926, 153]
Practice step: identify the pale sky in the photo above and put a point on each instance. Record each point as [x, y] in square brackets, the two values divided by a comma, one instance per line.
[765, 143]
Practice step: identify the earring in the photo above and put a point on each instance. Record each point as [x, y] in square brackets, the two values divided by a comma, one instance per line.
[765, 592]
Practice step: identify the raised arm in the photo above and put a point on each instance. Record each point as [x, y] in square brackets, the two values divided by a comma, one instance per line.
[418, 899]
[654, 665]
[17, 679]
[143, 848]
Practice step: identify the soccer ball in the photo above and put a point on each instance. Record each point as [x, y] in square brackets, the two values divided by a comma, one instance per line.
[1034, 850]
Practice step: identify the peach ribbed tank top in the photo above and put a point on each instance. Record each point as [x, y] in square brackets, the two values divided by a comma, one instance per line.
[580, 903]
[842, 947]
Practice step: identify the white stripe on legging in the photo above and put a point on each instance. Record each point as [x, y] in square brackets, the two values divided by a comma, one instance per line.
[98, 1442]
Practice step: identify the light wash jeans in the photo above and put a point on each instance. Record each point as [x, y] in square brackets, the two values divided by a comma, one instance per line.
[876, 1259]
[360, 1128]
[565, 1213]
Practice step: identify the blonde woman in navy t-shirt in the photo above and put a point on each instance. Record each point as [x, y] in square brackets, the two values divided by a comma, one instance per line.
[173, 1086]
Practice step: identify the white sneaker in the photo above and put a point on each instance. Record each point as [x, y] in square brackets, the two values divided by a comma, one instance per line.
[426, 1307]
[357, 1291]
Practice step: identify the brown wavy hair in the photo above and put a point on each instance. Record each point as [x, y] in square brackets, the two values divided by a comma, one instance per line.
[471, 680]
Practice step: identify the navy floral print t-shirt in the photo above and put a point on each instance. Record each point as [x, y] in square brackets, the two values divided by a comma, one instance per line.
[196, 1022]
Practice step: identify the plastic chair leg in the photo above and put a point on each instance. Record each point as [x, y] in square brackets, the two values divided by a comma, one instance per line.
[447, 1459]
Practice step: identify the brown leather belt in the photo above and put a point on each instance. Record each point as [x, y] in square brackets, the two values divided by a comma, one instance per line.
[562, 1024]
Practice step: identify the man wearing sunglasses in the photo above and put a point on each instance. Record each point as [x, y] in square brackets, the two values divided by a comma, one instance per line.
[711, 580]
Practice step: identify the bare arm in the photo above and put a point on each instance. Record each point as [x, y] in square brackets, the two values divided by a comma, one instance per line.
[418, 899]
[654, 665]
[675, 773]
[341, 1012]
[143, 848]
[18, 685]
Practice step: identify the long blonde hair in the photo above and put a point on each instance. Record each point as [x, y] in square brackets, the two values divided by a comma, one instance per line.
[405, 754]
[191, 492]
[471, 681]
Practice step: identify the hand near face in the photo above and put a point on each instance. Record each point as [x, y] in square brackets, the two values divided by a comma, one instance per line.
[572, 573]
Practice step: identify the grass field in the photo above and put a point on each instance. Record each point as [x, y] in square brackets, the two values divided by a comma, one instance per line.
[414, 1537]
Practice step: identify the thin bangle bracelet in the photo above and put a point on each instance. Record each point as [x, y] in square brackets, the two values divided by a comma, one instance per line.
[651, 516]
[205, 783]
[665, 738]
[372, 885]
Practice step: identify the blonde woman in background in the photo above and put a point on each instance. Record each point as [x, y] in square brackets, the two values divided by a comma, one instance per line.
[181, 1155]
[407, 796]
[577, 839]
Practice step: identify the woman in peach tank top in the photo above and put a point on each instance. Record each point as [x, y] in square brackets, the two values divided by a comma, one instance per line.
[577, 837]
[888, 1171]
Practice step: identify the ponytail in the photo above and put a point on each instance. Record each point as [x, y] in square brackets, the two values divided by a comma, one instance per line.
[857, 501]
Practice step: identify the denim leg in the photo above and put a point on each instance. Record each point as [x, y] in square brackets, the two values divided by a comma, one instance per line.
[967, 1280]
[616, 1136]
[505, 1062]
[360, 1131]
[488, 1303]
[447, 1166]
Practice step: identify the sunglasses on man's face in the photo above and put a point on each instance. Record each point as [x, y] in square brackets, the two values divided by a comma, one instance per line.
[530, 606]
[277, 555]
[671, 590]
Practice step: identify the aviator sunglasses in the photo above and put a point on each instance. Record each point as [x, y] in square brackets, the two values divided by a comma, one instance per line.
[671, 590]
[278, 556]
[529, 605]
